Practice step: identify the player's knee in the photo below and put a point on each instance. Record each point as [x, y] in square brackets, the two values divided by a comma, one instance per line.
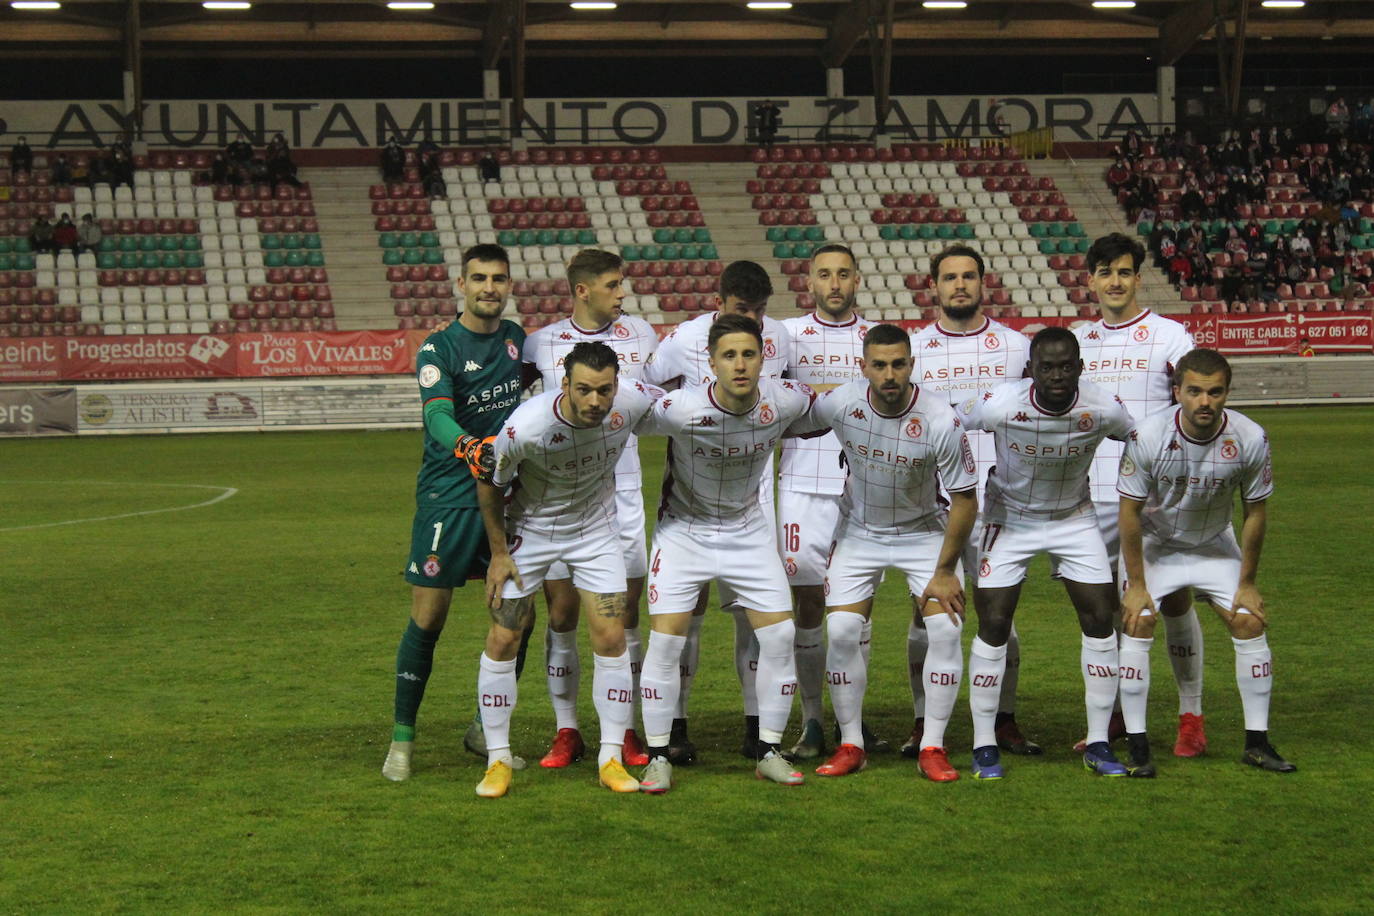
[1097, 624]
[776, 639]
[844, 629]
[994, 628]
[1143, 627]
[1245, 626]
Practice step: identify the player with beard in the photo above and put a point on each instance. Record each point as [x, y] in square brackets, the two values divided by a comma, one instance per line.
[963, 354]
[827, 351]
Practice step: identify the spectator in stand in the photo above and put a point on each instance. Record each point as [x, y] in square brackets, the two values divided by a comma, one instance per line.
[1117, 175]
[768, 118]
[279, 165]
[1235, 244]
[223, 172]
[432, 177]
[89, 234]
[1253, 233]
[40, 236]
[426, 149]
[1362, 119]
[99, 171]
[1305, 348]
[393, 161]
[239, 152]
[489, 167]
[1337, 117]
[21, 156]
[61, 170]
[65, 235]
[121, 168]
[1191, 201]
[1180, 269]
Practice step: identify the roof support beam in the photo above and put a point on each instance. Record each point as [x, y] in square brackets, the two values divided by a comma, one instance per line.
[848, 26]
[1186, 26]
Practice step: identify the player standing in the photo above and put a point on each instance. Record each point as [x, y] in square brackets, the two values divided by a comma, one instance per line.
[826, 351]
[965, 353]
[1132, 352]
[597, 284]
[683, 359]
[1046, 429]
[1180, 472]
[470, 381]
[900, 442]
[711, 527]
[562, 446]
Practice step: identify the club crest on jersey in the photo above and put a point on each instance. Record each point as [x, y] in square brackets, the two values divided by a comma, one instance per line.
[992, 342]
[617, 419]
[984, 568]
[913, 429]
[791, 566]
[1228, 449]
[1127, 466]
[653, 594]
[621, 331]
[1085, 422]
[429, 375]
[766, 414]
[769, 351]
[1140, 334]
[432, 567]
[511, 350]
[862, 331]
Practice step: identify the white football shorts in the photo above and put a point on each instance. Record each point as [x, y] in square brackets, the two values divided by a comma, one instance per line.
[806, 529]
[594, 558]
[744, 565]
[1074, 544]
[1211, 570]
[629, 516]
[860, 559]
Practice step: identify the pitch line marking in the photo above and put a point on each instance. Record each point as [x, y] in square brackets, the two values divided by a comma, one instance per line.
[224, 493]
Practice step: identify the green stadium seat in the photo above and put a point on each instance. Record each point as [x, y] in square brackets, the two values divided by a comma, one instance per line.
[1076, 230]
[150, 260]
[109, 243]
[547, 237]
[631, 252]
[408, 240]
[776, 234]
[297, 258]
[431, 239]
[273, 259]
[964, 230]
[586, 237]
[148, 243]
[270, 241]
[1039, 230]
[107, 260]
[567, 236]
[663, 236]
[527, 238]
[311, 240]
[1054, 230]
[701, 236]
[6, 245]
[1144, 228]
[6, 261]
[802, 250]
[507, 238]
[413, 256]
[391, 257]
[650, 252]
[171, 260]
[796, 234]
[782, 251]
[126, 243]
[888, 233]
[908, 232]
[690, 252]
[1049, 246]
[709, 253]
[190, 243]
[128, 260]
[670, 253]
[169, 243]
[21, 244]
[388, 240]
[815, 234]
[314, 258]
[432, 256]
[925, 231]
[683, 236]
[193, 260]
[291, 240]
[25, 261]
[944, 231]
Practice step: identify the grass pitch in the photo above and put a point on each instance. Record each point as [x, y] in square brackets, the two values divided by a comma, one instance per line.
[198, 703]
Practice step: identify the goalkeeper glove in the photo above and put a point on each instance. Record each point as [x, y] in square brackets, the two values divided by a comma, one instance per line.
[479, 455]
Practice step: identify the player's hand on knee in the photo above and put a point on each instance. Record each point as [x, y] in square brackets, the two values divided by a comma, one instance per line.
[1138, 611]
[498, 571]
[946, 590]
[479, 454]
[1247, 603]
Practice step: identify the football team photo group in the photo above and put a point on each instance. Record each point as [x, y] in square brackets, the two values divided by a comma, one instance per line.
[805, 459]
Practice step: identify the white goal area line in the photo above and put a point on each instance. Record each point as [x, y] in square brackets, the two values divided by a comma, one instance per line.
[223, 494]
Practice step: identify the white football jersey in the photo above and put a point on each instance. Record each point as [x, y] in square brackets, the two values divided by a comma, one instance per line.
[964, 365]
[633, 340]
[716, 458]
[563, 475]
[897, 463]
[824, 355]
[1135, 361]
[1189, 486]
[683, 354]
[1042, 462]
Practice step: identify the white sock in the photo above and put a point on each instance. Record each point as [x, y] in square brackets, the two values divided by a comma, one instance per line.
[917, 643]
[1007, 701]
[944, 664]
[659, 685]
[746, 661]
[866, 641]
[846, 671]
[986, 665]
[636, 650]
[1184, 637]
[564, 675]
[1135, 681]
[1100, 665]
[811, 663]
[612, 692]
[776, 682]
[687, 665]
[1255, 677]
[496, 701]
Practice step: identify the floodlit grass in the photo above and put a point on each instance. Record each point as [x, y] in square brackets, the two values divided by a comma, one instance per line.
[198, 704]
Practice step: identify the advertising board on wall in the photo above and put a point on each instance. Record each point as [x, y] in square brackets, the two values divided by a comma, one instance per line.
[37, 411]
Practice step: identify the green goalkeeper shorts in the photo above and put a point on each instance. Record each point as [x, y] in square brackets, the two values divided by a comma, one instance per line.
[448, 546]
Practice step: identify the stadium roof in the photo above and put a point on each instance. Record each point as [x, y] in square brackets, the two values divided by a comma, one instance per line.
[1166, 28]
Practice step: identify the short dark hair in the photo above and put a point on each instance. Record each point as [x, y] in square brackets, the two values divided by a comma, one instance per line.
[593, 354]
[884, 335]
[1204, 362]
[485, 252]
[1050, 335]
[835, 248]
[590, 263]
[1112, 246]
[957, 250]
[733, 323]
[746, 281]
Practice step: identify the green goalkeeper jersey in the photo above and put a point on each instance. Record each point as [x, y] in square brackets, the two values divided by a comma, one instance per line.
[479, 374]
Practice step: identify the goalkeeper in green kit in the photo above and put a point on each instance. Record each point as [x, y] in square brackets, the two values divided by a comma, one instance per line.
[470, 381]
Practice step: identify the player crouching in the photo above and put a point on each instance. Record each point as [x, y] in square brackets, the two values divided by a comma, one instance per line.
[563, 447]
[899, 442]
[1178, 478]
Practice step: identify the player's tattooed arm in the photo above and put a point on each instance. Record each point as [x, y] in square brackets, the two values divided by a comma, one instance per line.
[514, 613]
